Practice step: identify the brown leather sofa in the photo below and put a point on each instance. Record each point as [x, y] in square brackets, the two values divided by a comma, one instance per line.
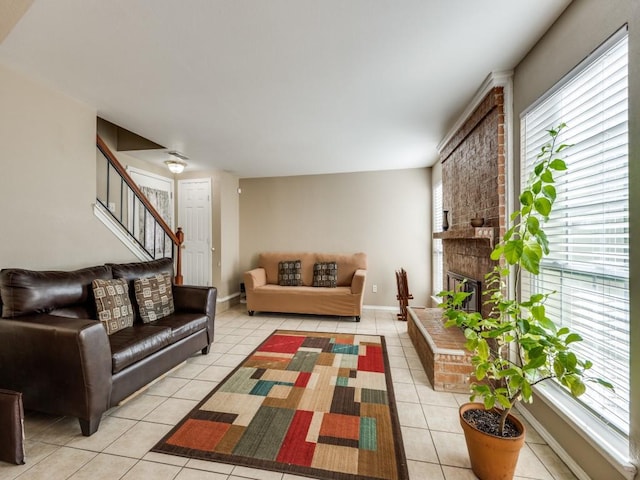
[54, 351]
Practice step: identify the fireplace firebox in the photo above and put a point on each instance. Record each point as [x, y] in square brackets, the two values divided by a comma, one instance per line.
[457, 282]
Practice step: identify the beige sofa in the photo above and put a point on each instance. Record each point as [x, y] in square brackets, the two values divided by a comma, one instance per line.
[264, 294]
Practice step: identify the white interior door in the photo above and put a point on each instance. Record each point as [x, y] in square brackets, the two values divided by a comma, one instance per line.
[194, 216]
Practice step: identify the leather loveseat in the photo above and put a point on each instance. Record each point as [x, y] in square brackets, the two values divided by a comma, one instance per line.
[55, 351]
[266, 292]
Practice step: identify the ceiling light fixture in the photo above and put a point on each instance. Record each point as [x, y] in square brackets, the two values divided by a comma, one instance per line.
[175, 166]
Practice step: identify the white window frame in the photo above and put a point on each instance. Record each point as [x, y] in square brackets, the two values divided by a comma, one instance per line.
[437, 250]
[612, 442]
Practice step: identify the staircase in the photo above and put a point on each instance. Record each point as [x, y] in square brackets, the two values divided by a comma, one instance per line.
[124, 208]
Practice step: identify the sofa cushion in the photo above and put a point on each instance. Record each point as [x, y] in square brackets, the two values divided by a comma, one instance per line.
[325, 274]
[290, 273]
[132, 271]
[112, 304]
[28, 291]
[270, 262]
[154, 297]
[182, 324]
[347, 265]
[132, 344]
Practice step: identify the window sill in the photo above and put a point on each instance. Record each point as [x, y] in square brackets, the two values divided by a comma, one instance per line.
[614, 447]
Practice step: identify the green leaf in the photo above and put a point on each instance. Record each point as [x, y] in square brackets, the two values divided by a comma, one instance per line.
[573, 337]
[539, 167]
[530, 257]
[508, 234]
[536, 297]
[542, 240]
[509, 372]
[578, 387]
[504, 401]
[523, 325]
[547, 176]
[562, 147]
[548, 324]
[549, 191]
[470, 334]
[558, 368]
[497, 252]
[572, 361]
[526, 391]
[515, 381]
[558, 164]
[513, 251]
[542, 206]
[535, 362]
[538, 312]
[489, 402]
[526, 198]
[604, 383]
[533, 225]
[536, 187]
[483, 349]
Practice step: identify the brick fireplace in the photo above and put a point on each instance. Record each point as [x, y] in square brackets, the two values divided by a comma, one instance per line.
[473, 185]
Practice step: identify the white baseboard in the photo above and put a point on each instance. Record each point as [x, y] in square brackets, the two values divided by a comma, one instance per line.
[380, 307]
[554, 445]
[228, 297]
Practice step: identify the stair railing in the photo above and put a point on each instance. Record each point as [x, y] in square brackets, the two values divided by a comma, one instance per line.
[129, 206]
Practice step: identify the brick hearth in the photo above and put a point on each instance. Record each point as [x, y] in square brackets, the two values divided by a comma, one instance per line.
[441, 350]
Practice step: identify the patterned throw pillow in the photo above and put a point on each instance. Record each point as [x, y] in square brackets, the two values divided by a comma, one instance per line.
[113, 304]
[154, 297]
[290, 273]
[325, 274]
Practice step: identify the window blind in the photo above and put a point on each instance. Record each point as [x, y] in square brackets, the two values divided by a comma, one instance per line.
[437, 252]
[588, 229]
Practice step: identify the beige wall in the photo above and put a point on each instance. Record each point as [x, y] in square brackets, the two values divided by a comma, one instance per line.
[385, 214]
[47, 185]
[583, 27]
[229, 219]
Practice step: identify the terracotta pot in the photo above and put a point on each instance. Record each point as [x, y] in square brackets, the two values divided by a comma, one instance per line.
[492, 458]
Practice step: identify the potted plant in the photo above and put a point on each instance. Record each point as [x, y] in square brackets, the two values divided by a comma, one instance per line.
[517, 346]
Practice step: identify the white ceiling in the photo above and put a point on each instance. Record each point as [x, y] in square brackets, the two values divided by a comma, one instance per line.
[279, 87]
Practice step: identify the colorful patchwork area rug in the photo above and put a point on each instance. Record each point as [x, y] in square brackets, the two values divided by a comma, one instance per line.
[306, 403]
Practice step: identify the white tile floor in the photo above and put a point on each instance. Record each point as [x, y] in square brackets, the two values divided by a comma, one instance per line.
[433, 440]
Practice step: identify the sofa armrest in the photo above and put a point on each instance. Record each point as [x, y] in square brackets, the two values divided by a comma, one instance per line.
[190, 298]
[255, 278]
[357, 282]
[61, 365]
